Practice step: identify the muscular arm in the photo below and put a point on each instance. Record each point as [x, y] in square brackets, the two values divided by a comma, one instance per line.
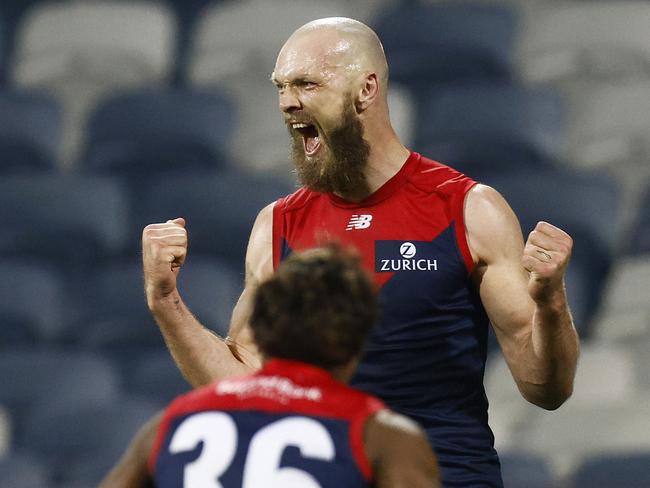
[522, 290]
[200, 354]
[131, 470]
[399, 453]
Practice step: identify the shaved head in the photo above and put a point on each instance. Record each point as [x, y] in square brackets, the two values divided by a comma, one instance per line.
[357, 46]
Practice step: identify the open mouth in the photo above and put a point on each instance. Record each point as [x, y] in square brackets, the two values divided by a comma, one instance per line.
[310, 137]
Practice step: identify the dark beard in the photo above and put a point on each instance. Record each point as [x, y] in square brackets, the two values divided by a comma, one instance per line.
[341, 171]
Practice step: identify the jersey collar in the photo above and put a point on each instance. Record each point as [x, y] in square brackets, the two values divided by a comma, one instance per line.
[387, 189]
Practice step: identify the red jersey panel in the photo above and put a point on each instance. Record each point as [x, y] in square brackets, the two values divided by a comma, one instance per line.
[290, 424]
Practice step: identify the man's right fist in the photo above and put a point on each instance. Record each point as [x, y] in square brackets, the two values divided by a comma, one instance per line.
[164, 247]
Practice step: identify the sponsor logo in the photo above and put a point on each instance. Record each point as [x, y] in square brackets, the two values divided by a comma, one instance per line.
[387, 261]
[359, 221]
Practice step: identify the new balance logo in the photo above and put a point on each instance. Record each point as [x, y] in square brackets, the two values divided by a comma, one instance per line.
[359, 221]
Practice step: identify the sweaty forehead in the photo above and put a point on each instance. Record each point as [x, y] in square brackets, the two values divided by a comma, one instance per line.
[320, 52]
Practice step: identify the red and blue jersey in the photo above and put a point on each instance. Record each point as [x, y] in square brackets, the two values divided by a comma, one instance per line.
[289, 425]
[426, 358]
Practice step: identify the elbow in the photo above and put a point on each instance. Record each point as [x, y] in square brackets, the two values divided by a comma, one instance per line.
[550, 399]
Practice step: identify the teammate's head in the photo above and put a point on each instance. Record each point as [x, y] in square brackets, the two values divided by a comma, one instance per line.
[317, 308]
[332, 78]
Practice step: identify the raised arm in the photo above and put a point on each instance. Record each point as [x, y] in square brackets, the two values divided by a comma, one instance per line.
[200, 354]
[399, 453]
[522, 290]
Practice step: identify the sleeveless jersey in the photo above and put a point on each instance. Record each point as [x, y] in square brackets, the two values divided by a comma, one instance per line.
[290, 425]
[426, 357]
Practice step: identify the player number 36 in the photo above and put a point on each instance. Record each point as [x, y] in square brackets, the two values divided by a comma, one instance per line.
[218, 433]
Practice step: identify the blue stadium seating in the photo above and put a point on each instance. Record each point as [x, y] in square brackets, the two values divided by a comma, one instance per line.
[34, 378]
[82, 443]
[479, 127]
[614, 471]
[526, 471]
[160, 130]
[70, 220]
[219, 208]
[32, 302]
[154, 374]
[640, 232]
[30, 130]
[23, 471]
[442, 42]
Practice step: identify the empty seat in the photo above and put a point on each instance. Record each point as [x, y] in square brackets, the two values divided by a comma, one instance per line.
[482, 127]
[575, 432]
[32, 302]
[524, 470]
[640, 233]
[23, 471]
[82, 50]
[29, 132]
[219, 209]
[45, 378]
[158, 130]
[443, 42]
[235, 40]
[82, 443]
[578, 40]
[115, 313]
[71, 220]
[156, 375]
[613, 471]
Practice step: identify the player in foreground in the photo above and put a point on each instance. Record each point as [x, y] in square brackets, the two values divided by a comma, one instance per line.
[447, 253]
[294, 423]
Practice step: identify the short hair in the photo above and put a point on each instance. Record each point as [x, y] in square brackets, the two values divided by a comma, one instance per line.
[317, 308]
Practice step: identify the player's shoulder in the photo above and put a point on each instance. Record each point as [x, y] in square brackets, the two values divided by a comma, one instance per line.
[296, 200]
[434, 176]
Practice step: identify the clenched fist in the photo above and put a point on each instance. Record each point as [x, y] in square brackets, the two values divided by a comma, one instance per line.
[546, 256]
[164, 247]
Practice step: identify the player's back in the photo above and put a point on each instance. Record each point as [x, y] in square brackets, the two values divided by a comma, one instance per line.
[289, 425]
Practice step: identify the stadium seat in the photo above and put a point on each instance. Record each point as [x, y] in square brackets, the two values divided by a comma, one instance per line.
[521, 470]
[30, 126]
[493, 127]
[36, 378]
[80, 51]
[70, 220]
[219, 209]
[155, 375]
[23, 471]
[81, 443]
[640, 233]
[160, 130]
[116, 318]
[32, 302]
[613, 471]
[235, 40]
[582, 40]
[432, 43]
[608, 124]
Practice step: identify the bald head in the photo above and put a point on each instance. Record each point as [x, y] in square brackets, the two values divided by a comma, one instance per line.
[356, 43]
[337, 45]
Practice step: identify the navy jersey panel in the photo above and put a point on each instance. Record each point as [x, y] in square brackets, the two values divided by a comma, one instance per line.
[341, 472]
[426, 357]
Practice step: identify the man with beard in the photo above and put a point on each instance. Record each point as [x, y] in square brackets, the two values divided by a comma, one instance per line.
[447, 253]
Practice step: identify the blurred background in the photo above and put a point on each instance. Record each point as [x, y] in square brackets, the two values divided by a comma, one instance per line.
[116, 114]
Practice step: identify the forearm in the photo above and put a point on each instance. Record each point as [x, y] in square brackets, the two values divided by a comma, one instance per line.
[201, 356]
[551, 354]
